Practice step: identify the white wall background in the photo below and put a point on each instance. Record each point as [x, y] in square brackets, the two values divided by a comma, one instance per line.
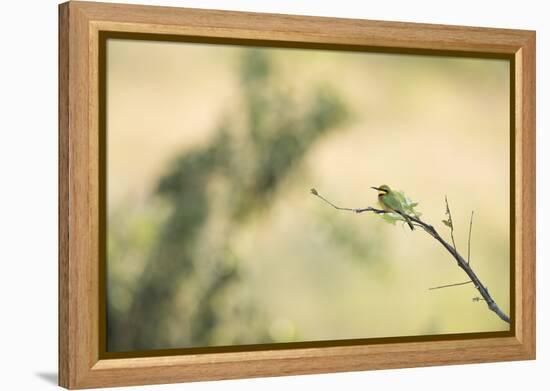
[28, 196]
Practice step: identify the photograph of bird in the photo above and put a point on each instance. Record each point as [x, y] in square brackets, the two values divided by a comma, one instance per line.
[390, 201]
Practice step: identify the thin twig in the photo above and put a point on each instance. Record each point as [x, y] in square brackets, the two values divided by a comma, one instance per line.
[314, 192]
[429, 229]
[359, 210]
[451, 225]
[449, 285]
[450, 221]
[470, 235]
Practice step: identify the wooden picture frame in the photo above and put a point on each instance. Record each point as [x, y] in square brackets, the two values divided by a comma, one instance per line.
[81, 312]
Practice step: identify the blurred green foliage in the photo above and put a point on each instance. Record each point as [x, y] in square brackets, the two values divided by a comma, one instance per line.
[186, 293]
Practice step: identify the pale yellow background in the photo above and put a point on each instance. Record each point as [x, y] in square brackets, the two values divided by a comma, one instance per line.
[431, 126]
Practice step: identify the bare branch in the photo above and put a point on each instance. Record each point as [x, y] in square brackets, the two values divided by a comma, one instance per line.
[450, 222]
[429, 229]
[450, 285]
[470, 235]
[359, 210]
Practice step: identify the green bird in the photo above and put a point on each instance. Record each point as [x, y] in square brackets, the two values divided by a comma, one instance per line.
[391, 202]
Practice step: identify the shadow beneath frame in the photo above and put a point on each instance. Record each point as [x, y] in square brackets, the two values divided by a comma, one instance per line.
[49, 377]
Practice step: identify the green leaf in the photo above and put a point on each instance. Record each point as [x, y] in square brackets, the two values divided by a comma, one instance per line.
[391, 218]
[408, 204]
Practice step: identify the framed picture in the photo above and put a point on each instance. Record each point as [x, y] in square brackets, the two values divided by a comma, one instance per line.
[247, 195]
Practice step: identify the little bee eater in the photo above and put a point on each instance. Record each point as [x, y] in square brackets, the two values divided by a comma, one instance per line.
[391, 202]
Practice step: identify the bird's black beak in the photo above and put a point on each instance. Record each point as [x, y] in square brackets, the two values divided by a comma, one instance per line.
[376, 188]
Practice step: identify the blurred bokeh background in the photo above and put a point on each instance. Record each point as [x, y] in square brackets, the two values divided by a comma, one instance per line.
[213, 236]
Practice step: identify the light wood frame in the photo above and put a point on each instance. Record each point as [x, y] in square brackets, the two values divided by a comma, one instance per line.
[80, 365]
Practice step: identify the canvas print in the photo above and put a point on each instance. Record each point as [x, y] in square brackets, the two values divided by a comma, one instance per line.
[263, 195]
